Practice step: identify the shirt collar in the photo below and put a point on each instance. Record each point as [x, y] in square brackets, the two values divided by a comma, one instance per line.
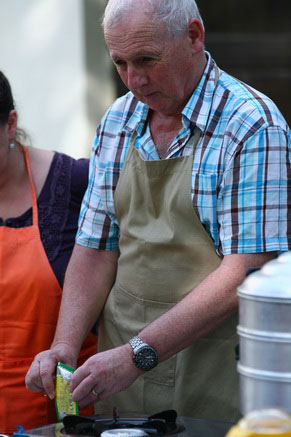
[198, 106]
[136, 120]
[196, 112]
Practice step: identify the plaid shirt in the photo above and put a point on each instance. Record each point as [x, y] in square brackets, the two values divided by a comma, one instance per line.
[241, 166]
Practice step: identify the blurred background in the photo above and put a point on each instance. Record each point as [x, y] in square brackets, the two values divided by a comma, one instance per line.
[54, 55]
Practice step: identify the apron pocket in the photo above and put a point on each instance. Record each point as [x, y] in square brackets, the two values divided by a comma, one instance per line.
[164, 373]
[123, 317]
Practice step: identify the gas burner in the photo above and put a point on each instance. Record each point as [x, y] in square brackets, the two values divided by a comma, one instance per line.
[78, 426]
[160, 424]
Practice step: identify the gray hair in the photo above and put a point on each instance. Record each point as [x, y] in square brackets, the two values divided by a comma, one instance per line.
[174, 14]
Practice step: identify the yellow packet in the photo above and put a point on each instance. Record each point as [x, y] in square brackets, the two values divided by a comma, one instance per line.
[63, 399]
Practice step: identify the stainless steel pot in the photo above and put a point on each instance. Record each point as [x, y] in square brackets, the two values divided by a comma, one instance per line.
[265, 337]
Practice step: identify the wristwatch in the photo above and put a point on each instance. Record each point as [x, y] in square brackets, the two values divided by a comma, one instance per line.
[145, 357]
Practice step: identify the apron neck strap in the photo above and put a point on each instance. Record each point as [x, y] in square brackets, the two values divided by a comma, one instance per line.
[32, 188]
[195, 139]
[132, 140]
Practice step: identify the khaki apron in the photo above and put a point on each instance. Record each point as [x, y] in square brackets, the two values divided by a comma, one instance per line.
[164, 253]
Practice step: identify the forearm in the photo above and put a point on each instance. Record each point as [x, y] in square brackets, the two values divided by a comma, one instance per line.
[203, 309]
[89, 278]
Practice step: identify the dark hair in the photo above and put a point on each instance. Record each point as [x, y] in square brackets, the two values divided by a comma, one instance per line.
[6, 98]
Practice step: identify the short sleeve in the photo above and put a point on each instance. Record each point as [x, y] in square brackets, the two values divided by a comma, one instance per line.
[254, 202]
[98, 226]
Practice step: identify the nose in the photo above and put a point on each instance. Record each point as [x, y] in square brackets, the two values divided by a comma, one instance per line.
[136, 78]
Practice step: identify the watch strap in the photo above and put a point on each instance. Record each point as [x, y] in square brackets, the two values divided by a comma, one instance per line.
[136, 342]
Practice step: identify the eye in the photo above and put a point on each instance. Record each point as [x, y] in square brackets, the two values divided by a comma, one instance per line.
[119, 64]
[146, 59]
[117, 61]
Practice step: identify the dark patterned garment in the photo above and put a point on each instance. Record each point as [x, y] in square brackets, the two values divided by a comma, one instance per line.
[58, 210]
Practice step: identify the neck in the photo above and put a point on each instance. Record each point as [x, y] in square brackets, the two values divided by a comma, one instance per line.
[13, 168]
[200, 65]
[163, 131]
[165, 120]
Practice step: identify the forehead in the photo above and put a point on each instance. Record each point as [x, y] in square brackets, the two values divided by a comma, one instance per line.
[134, 34]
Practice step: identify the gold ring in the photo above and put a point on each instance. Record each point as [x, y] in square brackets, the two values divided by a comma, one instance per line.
[95, 393]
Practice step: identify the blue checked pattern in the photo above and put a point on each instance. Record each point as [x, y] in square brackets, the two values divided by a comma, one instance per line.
[241, 166]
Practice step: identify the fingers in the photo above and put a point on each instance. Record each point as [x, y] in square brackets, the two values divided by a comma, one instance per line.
[47, 373]
[103, 374]
[90, 382]
[41, 373]
[95, 393]
[32, 379]
[40, 376]
[80, 375]
[91, 398]
[82, 386]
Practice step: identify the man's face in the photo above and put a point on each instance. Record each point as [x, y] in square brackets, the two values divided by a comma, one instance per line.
[157, 70]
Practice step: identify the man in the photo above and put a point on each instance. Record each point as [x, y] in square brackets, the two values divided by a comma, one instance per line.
[163, 243]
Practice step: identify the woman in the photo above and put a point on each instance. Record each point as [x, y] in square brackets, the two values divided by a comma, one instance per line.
[40, 197]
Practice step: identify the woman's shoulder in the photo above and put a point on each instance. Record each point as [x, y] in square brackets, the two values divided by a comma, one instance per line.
[40, 163]
[75, 170]
[55, 172]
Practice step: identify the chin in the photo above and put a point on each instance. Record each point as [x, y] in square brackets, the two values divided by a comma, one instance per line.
[164, 109]
[153, 100]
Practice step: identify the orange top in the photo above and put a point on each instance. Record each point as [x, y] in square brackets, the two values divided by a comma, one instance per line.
[29, 305]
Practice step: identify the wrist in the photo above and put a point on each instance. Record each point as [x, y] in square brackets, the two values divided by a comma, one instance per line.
[125, 355]
[65, 352]
[144, 356]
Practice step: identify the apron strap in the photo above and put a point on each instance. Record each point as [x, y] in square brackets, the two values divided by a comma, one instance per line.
[33, 193]
[195, 139]
[132, 141]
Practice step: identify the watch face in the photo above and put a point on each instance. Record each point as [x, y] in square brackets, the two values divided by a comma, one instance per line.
[146, 358]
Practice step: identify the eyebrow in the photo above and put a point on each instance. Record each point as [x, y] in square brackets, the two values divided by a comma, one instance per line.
[115, 58]
[135, 56]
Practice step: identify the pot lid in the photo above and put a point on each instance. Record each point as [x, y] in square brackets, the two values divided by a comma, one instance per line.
[271, 283]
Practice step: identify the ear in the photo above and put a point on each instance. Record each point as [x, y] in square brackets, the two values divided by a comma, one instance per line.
[196, 35]
[12, 124]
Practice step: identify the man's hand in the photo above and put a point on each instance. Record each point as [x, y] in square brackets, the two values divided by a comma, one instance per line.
[89, 279]
[104, 374]
[40, 376]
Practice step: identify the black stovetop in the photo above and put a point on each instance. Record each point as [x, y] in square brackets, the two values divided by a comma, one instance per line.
[163, 424]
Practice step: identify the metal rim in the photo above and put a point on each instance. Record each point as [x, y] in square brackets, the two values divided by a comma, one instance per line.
[264, 374]
[253, 334]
